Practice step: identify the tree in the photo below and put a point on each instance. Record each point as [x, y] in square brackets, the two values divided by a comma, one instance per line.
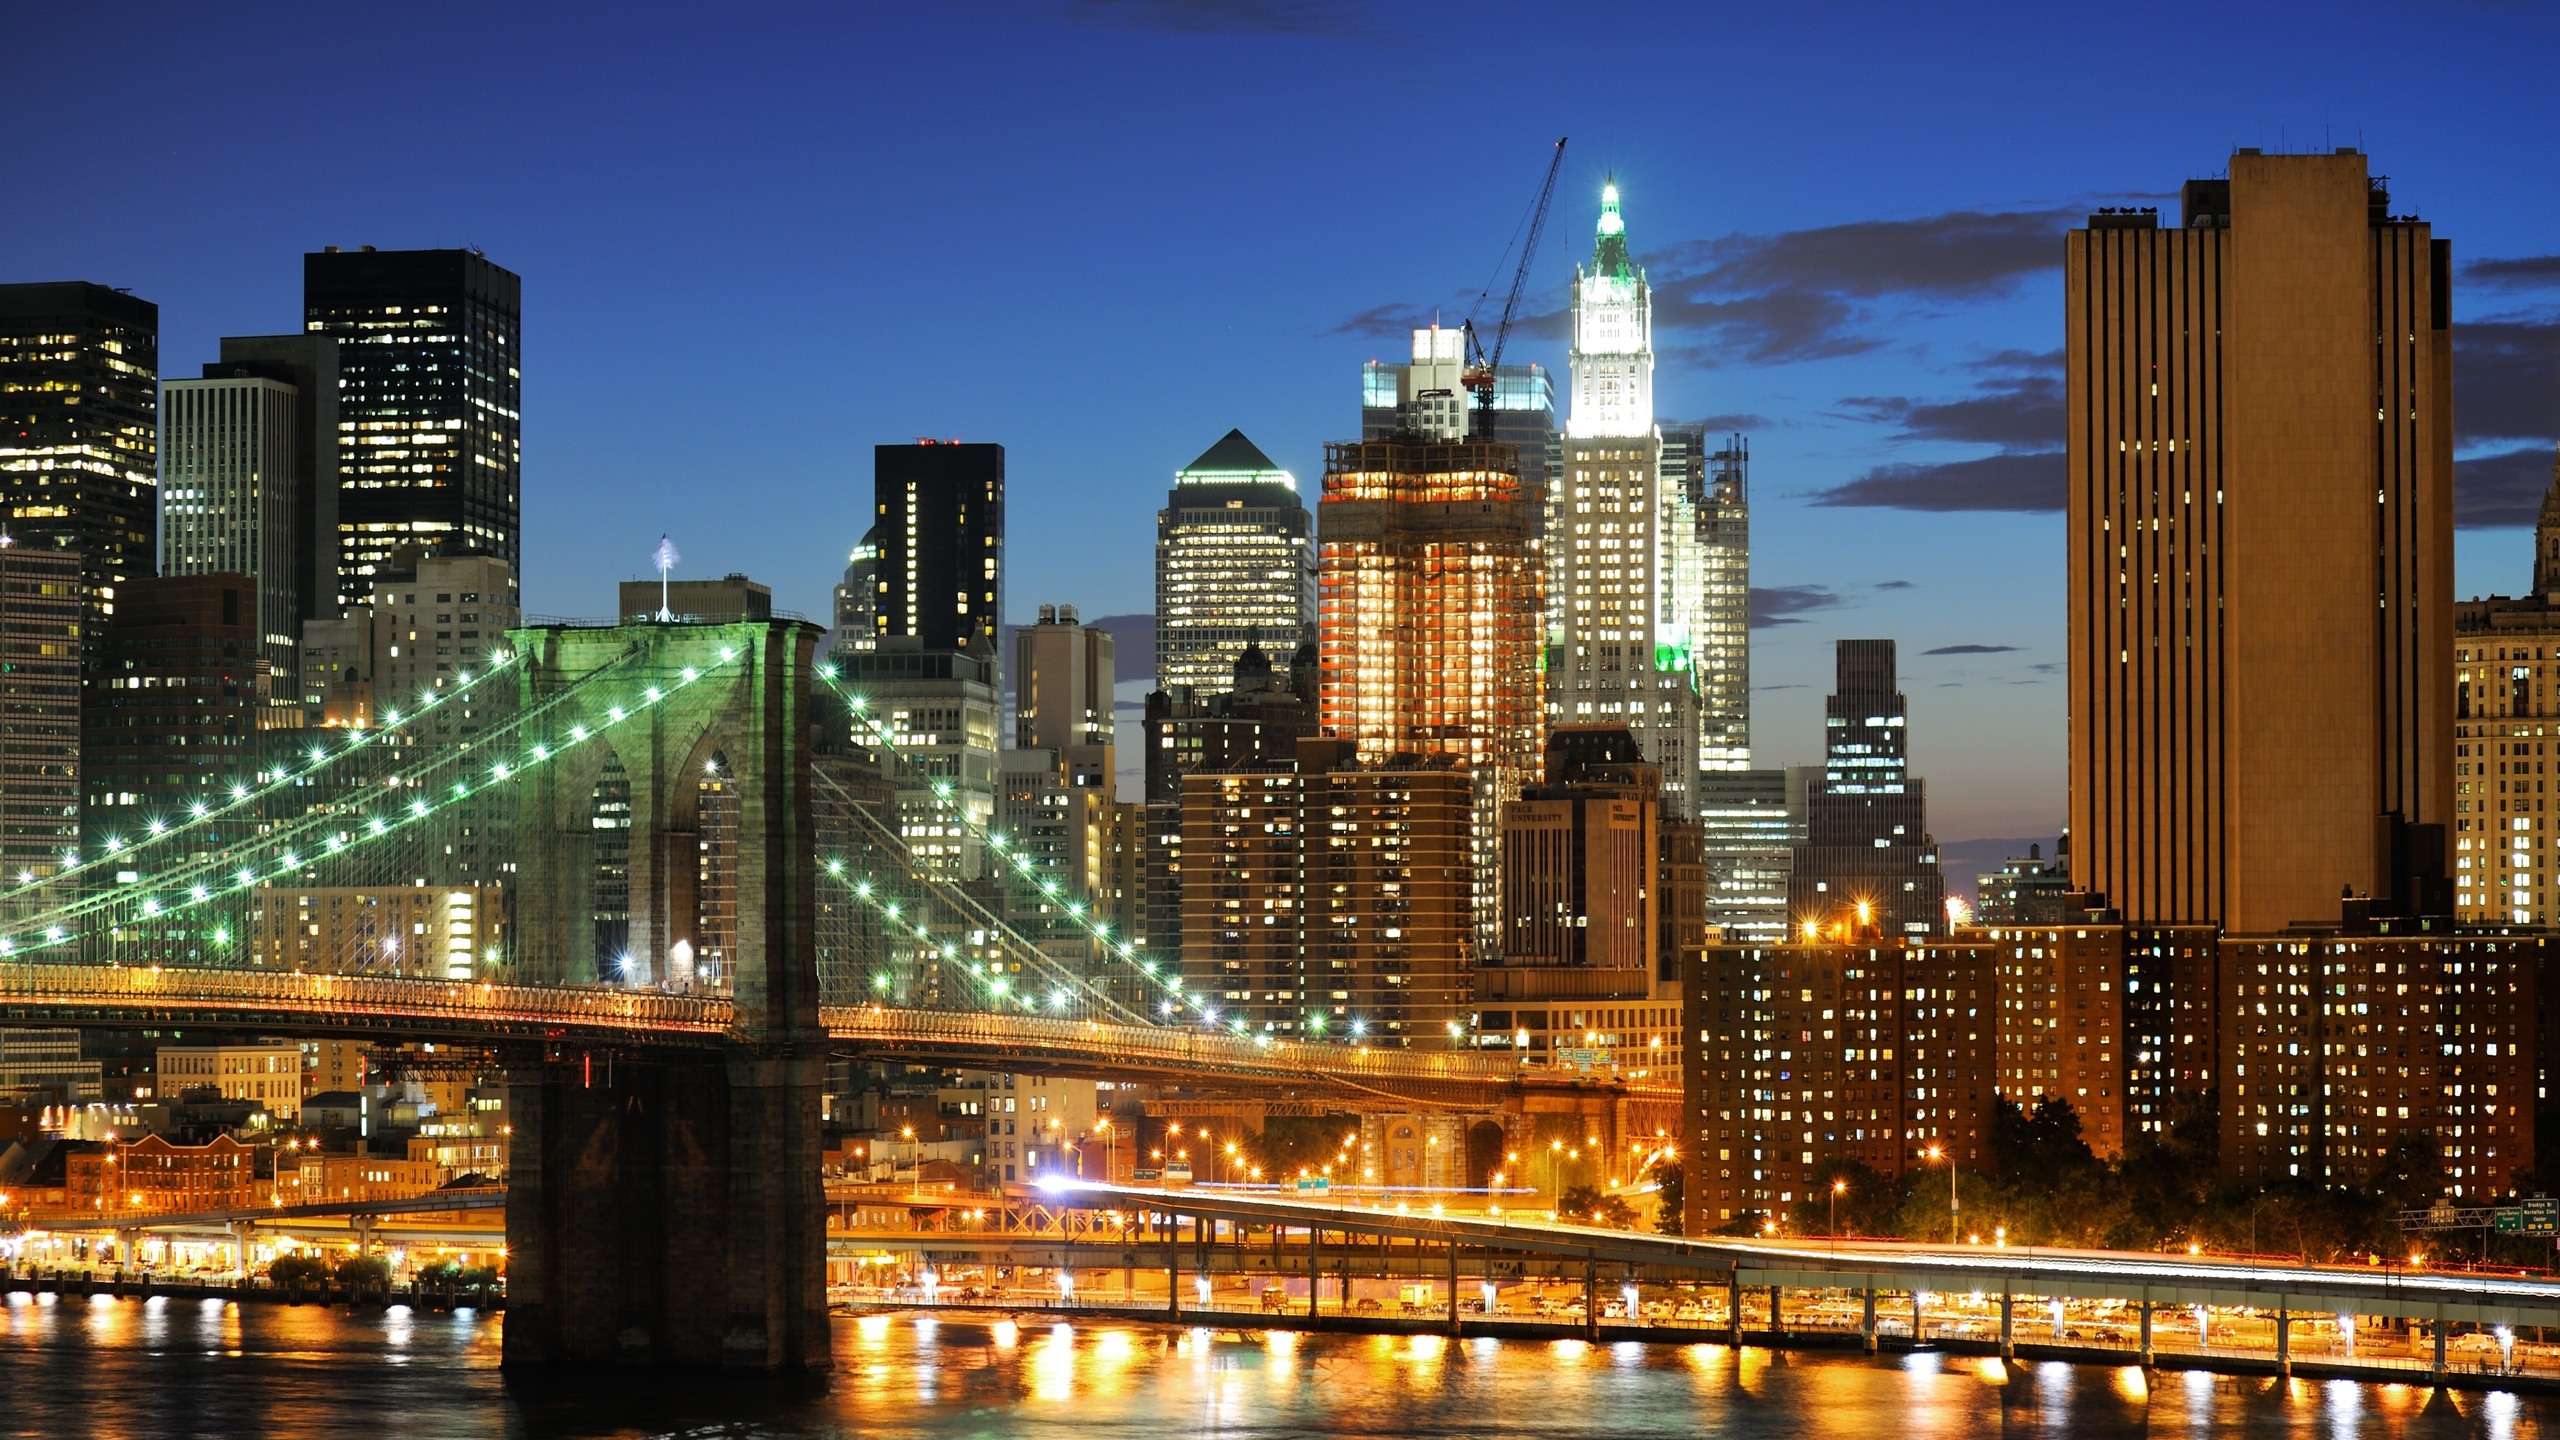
[1671, 1190]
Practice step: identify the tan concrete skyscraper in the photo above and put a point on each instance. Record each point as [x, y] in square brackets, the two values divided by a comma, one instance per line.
[2261, 549]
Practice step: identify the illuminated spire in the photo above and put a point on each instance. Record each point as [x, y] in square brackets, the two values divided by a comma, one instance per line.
[1609, 254]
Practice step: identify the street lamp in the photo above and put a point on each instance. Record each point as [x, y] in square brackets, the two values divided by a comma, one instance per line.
[1836, 1187]
[1937, 1153]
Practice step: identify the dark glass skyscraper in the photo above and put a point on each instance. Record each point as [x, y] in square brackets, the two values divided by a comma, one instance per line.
[80, 431]
[939, 508]
[429, 403]
[1867, 857]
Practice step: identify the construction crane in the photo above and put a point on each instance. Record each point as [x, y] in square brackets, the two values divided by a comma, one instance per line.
[1483, 365]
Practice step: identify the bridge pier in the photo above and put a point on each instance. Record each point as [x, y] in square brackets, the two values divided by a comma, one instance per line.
[2008, 1334]
[674, 1218]
[1733, 1306]
[2284, 1341]
[2146, 1329]
[1867, 1320]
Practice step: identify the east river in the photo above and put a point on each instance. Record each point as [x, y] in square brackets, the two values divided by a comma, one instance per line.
[73, 1367]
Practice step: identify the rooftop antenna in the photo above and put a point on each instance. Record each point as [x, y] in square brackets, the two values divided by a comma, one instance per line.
[666, 561]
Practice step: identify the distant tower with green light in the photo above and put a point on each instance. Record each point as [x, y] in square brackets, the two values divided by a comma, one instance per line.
[1624, 572]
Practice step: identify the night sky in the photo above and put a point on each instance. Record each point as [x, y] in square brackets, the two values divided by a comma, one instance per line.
[757, 241]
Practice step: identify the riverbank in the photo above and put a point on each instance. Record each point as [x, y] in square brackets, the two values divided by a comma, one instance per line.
[145, 1286]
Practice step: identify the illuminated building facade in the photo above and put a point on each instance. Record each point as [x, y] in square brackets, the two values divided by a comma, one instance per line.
[440, 932]
[1867, 859]
[1621, 543]
[2506, 743]
[857, 598]
[170, 710]
[430, 404]
[42, 615]
[1751, 822]
[940, 708]
[2236, 487]
[80, 431]
[1429, 605]
[1260, 717]
[249, 485]
[1426, 396]
[1333, 895]
[1711, 584]
[1235, 565]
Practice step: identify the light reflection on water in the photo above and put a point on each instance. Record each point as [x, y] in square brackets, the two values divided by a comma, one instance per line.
[131, 1367]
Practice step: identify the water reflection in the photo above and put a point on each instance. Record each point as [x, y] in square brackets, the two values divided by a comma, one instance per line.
[128, 1367]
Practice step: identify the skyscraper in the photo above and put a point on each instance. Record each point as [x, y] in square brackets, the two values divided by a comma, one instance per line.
[170, 711]
[1235, 564]
[80, 431]
[430, 403]
[41, 612]
[1752, 821]
[856, 597]
[2506, 698]
[1712, 585]
[1620, 546]
[939, 512]
[1426, 393]
[1867, 859]
[248, 486]
[2261, 552]
[1429, 605]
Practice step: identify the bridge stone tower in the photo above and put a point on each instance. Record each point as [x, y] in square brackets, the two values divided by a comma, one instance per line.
[664, 1207]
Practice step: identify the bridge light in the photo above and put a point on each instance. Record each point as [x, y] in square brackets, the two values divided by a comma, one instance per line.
[289, 861]
[499, 770]
[417, 807]
[891, 910]
[461, 788]
[8, 947]
[196, 892]
[862, 888]
[541, 752]
[53, 933]
[1359, 1027]
[390, 717]
[318, 754]
[943, 789]
[880, 982]
[26, 877]
[835, 867]
[859, 703]
[158, 826]
[114, 844]
[375, 825]
[577, 732]
[197, 810]
[247, 877]
[614, 713]
[652, 693]
[728, 654]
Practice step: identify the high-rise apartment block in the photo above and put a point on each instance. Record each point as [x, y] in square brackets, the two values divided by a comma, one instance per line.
[430, 404]
[1428, 397]
[42, 615]
[1622, 543]
[248, 485]
[1867, 859]
[1332, 896]
[80, 431]
[1258, 719]
[2506, 743]
[940, 709]
[1711, 585]
[1235, 565]
[1063, 703]
[2261, 452]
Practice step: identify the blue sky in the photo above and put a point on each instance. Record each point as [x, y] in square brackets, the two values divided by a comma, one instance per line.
[757, 241]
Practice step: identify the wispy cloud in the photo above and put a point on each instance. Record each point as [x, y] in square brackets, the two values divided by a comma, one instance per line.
[2522, 272]
[2033, 483]
[1789, 604]
[1970, 650]
[2501, 489]
[2506, 375]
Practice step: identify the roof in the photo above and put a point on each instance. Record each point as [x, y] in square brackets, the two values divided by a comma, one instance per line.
[1235, 459]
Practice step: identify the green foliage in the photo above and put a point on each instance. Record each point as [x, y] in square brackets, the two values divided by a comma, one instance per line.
[1672, 1182]
[364, 1271]
[297, 1270]
[1587, 1205]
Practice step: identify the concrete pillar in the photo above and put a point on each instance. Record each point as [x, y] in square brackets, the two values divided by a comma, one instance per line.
[2008, 1317]
[2146, 1329]
[1315, 1269]
[2439, 1365]
[363, 1225]
[1867, 1320]
[1591, 1299]
[1173, 1266]
[243, 1232]
[1777, 1312]
[1733, 1305]
[1916, 1331]
[1453, 1288]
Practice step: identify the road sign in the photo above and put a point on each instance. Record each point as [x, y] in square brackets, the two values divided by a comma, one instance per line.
[1314, 1185]
[2541, 1215]
[2507, 1220]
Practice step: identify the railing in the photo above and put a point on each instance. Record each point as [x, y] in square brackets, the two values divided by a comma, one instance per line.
[296, 992]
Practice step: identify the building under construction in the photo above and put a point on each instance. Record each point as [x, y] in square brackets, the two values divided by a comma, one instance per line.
[1429, 604]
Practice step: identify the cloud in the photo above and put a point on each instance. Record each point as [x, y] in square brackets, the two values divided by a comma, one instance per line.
[2050, 667]
[1895, 585]
[1383, 322]
[2501, 489]
[2506, 379]
[1716, 423]
[1781, 687]
[2017, 412]
[2524, 272]
[1811, 294]
[2032, 483]
[1789, 604]
[1971, 650]
[1220, 17]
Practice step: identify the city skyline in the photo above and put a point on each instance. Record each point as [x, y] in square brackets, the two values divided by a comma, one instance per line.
[1849, 309]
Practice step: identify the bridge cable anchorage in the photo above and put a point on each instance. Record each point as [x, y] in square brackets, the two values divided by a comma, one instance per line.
[238, 795]
[305, 843]
[1175, 1001]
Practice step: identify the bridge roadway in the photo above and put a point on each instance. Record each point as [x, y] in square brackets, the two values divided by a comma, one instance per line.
[2136, 1277]
[294, 1003]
